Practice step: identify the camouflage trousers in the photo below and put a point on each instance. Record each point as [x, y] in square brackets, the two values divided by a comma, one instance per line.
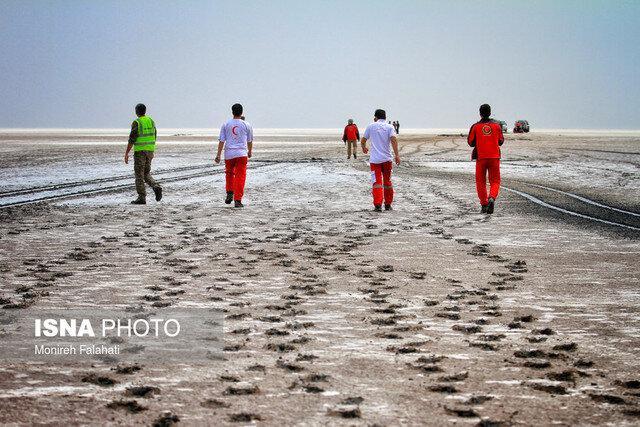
[351, 145]
[142, 170]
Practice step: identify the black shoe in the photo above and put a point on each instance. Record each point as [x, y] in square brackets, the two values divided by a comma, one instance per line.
[377, 208]
[229, 197]
[158, 192]
[388, 207]
[139, 201]
[484, 209]
[490, 206]
[354, 157]
[238, 204]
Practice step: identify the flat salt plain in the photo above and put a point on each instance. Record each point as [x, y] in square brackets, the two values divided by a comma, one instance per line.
[431, 314]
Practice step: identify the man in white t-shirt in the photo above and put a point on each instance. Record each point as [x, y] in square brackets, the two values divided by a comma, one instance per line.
[382, 138]
[236, 137]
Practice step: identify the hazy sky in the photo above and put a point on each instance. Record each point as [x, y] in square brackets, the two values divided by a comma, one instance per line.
[559, 64]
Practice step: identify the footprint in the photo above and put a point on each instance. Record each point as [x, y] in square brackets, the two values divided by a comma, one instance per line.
[244, 417]
[214, 404]
[142, 391]
[462, 412]
[242, 389]
[607, 398]
[549, 388]
[167, 419]
[443, 388]
[100, 380]
[129, 405]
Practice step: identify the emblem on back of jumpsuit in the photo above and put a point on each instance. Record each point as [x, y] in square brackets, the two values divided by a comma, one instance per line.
[486, 129]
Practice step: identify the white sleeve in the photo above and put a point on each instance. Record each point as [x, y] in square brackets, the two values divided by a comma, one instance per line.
[223, 136]
[367, 132]
[249, 133]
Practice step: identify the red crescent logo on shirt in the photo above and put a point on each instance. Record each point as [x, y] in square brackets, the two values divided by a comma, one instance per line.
[233, 130]
[486, 129]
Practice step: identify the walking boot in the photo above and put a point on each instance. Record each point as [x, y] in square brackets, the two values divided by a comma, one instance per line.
[238, 204]
[377, 208]
[139, 201]
[490, 206]
[158, 192]
[483, 209]
[388, 207]
[229, 197]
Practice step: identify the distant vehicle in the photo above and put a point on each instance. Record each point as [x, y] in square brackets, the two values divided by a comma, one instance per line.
[521, 126]
[503, 125]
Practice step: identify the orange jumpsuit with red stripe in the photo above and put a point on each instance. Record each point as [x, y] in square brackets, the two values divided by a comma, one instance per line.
[486, 137]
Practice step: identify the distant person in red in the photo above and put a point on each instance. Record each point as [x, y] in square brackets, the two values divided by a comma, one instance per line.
[486, 138]
[236, 138]
[351, 136]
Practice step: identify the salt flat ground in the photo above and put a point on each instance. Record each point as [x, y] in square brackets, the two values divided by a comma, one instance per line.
[430, 314]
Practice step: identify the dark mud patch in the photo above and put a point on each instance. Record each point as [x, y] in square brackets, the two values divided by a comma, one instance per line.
[582, 363]
[467, 329]
[166, 420]
[280, 347]
[543, 331]
[214, 404]
[126, 369]
[128, 405]
[565, 347]
[631, 384]
[607, 398]
[460, 376]
[477, 400]
[483, 345]
[566, 376]
[314, 378]
[442, 388]
[462, 412]
[242, 390]
[288, 366]
[537, 364]
[549, 388]
[524, 354]
[100, 380]
[142, 391]
[244, 417]
[345, 411]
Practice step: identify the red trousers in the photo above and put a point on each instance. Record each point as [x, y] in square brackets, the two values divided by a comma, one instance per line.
[236, 173]
[492, 166]
[381, 180]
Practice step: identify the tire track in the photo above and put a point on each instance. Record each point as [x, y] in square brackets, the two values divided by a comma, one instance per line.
[568, 203]
[567, 211]
[54, 187]
[584, 199]
[111, 188]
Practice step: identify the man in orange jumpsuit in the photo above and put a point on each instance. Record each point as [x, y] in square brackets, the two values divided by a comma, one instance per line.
[486, 138]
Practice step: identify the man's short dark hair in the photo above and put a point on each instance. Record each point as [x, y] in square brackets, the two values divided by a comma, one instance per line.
[380, 114]
[141, 109]
[236, 109]
[485, 111]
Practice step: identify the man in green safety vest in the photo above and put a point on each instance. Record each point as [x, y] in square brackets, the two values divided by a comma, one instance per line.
[143, 141]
